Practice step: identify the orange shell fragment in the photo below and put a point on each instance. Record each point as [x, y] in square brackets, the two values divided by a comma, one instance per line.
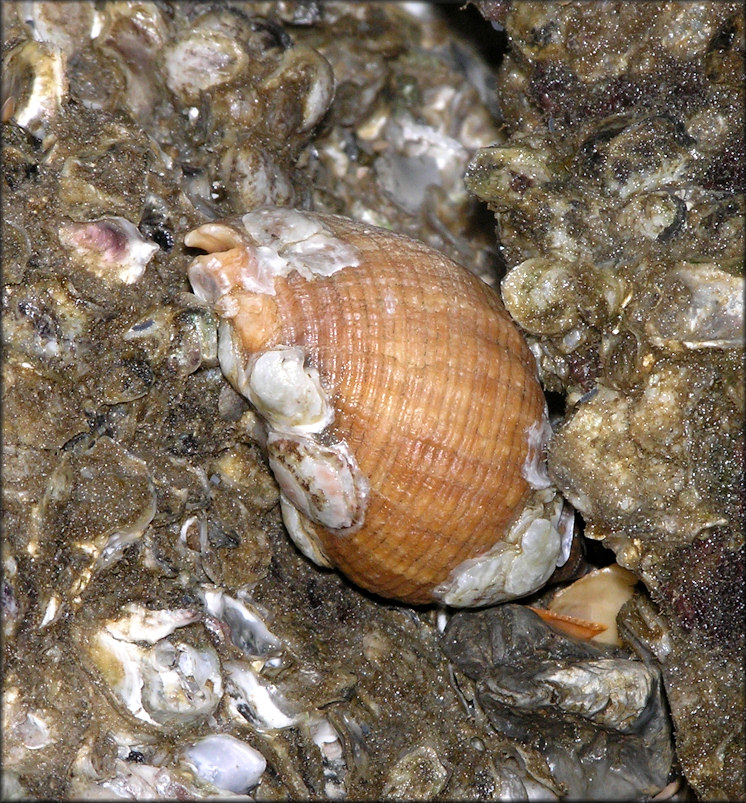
[570, 625]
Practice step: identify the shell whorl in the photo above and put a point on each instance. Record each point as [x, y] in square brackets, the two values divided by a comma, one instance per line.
[433, 390]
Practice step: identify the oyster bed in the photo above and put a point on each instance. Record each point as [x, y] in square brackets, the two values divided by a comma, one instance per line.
[163, 637]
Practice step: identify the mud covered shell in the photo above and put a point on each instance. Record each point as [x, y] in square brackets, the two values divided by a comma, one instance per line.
[405, 421]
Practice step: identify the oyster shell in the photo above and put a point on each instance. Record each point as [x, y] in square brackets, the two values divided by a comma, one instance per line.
[588, 705]
[158, 680]
[226, 762]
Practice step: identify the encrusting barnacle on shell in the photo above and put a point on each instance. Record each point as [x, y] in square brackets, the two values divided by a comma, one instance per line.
[405, 423]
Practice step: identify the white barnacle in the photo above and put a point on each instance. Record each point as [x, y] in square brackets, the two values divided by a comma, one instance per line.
[323, 482]
[287, 391]
[515, 566]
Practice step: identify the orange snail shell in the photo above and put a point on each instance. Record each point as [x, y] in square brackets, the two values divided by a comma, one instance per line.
[413, 442]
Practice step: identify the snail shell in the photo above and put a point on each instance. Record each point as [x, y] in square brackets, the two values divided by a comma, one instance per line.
[405, 424]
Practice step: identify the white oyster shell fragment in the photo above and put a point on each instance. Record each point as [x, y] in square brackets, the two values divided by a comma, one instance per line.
[129, 780]
[226, 762]
[326, 738]
[255, 700]
[159, 681]
[104, 768]
[141, 624]
[517, 565]
[26, 730]
[32, 731]
[111, 248]
[248, 631]
[51, 611]
[34, 85]
[181, 683]
[701, 306]
[686, 31]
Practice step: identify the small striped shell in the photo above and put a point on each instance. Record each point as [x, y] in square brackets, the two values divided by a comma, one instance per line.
[405, 421]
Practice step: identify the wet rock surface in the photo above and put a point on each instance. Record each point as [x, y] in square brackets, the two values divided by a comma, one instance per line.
[157, 619]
